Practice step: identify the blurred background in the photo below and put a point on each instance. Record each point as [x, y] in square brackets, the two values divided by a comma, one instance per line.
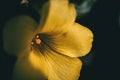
[101, 16]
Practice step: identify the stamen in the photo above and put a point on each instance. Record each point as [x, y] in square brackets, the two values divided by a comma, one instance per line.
[37, 36]
[32, 43]
[38, 41]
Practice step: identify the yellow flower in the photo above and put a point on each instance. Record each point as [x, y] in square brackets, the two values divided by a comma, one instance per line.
[48, 50]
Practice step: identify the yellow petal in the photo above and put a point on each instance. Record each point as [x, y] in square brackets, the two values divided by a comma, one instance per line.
[59, 67]
[31, 67]
[63, 67]
[76, 42]
[56, 16]
[47, 65]
[18, 33]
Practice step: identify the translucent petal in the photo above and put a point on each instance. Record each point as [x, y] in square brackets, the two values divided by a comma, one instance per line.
[56, 16]
[31, 67]
[47, 65]
[76, 42]
[18, 33]
[62, 67]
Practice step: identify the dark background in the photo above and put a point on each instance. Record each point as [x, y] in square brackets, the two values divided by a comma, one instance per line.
[103, 20]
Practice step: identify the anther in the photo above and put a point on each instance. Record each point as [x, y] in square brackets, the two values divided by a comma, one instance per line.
[32, 43]
[37, 36]
[38, 41]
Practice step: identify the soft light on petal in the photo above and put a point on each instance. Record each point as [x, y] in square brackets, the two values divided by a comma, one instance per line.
[59, 67]
[63, 67]
[47, 65]
[76, 42]
[31, 67]
[56, 16]
[18, 33]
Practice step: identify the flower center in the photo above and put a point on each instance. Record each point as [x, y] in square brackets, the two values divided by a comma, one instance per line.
[36, 40]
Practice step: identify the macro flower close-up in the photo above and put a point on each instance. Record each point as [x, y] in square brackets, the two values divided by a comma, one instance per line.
[47, 50]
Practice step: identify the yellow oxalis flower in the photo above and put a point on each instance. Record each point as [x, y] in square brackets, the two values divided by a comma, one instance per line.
[48, 50]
